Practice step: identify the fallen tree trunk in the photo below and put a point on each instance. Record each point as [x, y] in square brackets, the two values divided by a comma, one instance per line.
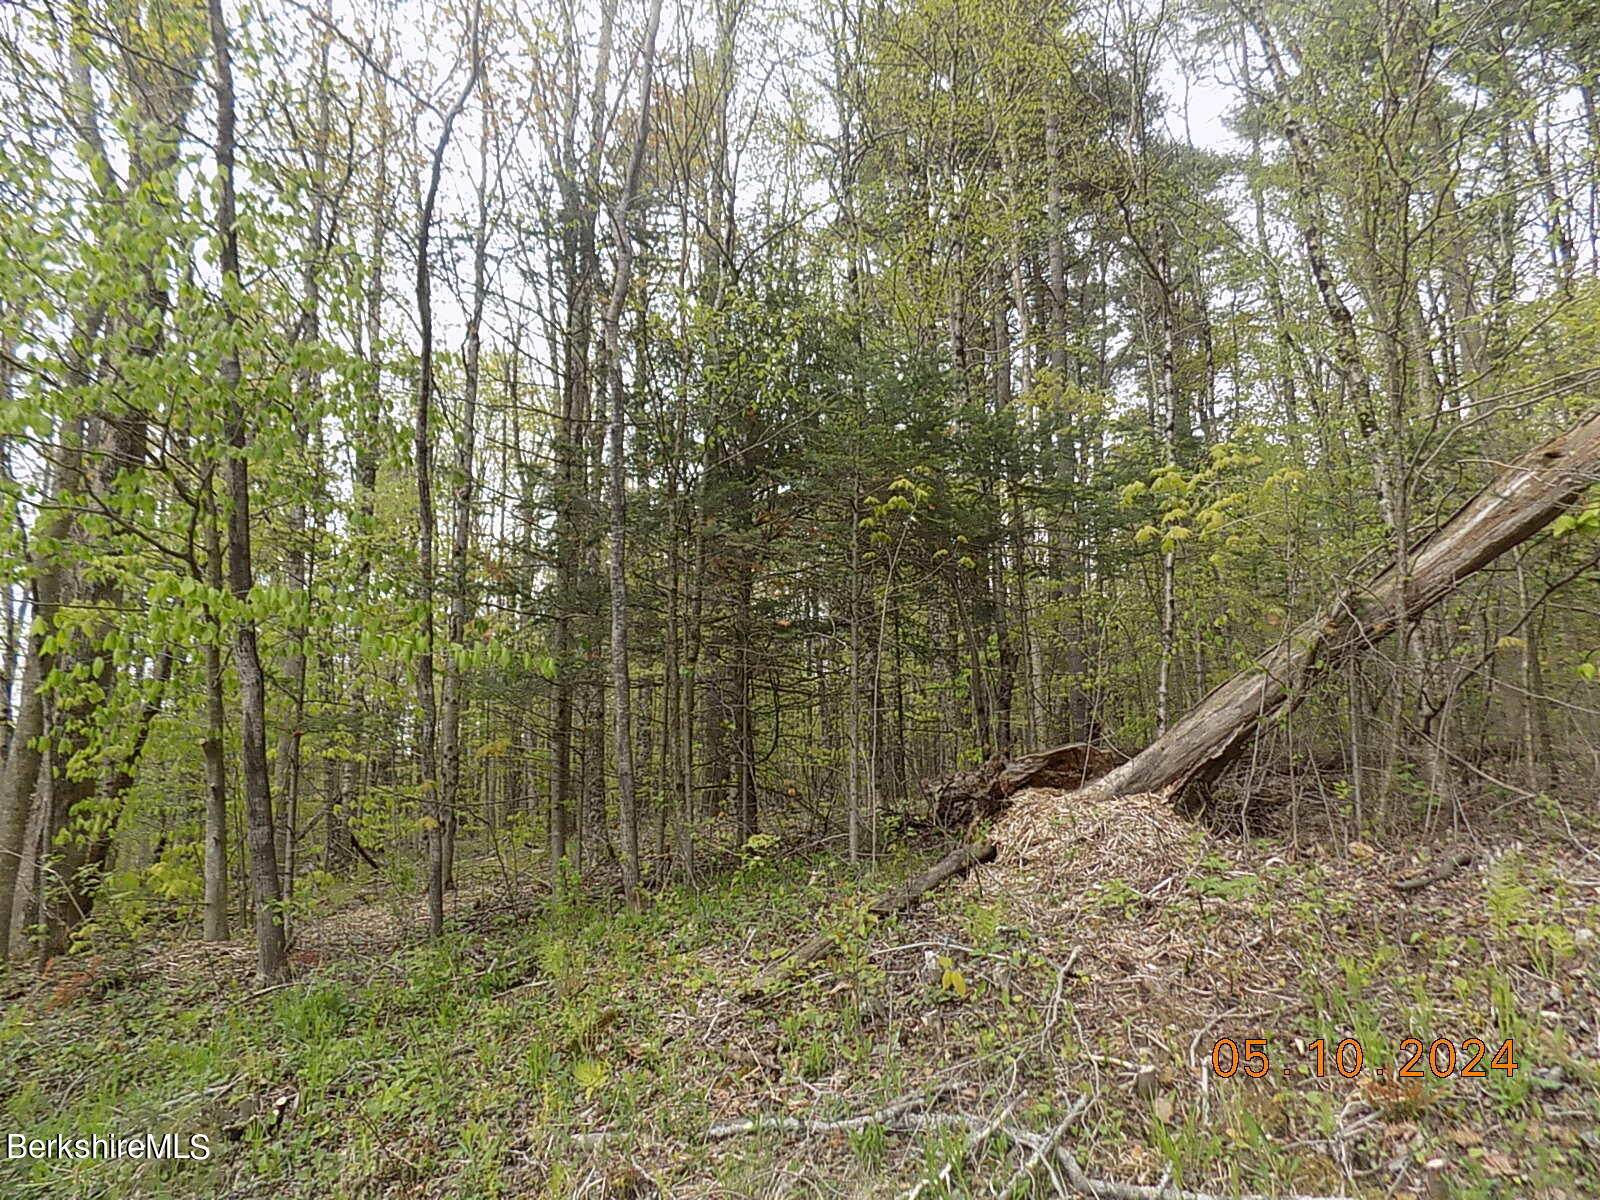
[961, 859]
[1524, 498]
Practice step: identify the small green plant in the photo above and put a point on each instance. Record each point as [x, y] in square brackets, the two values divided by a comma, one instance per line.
[1115, 896]
[953, 984]
[944, 1157]
[1220, 879]
[851, 927]
[1506, 898]
[816, 1057]
[312, 1016]
[807, 1040]
[870, 1145]
[755, 861]
[590, 1075]
[982, 923]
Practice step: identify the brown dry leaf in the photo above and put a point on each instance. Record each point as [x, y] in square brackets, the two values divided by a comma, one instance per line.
[1163, 1109]
[1498, 1164]
[1465, 1137]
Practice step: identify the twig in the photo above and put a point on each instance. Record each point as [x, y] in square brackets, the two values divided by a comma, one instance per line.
[1096, 1189]
[902, 1115]
[1042, 1152]
[1101, 1189]
[883, 1116]
[259, 992]
[942, 1178]
[1107, 1060]
[1061, 982]
[978, 1139]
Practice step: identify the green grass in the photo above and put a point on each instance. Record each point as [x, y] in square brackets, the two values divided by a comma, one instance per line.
[470, 1059]
[468, 1067]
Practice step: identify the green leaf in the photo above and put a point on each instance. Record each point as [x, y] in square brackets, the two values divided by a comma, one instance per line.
[590, 1074]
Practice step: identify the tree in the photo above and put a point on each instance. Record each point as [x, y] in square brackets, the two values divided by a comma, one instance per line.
[610, 378]
[439, 816]
[271, 952]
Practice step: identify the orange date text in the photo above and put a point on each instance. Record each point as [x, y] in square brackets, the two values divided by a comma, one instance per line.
[1441, 1058]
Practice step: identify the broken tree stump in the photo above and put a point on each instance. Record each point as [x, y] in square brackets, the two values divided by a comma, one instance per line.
[958, 799]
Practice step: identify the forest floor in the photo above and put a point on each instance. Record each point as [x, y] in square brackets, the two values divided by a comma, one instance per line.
[1058, 1009]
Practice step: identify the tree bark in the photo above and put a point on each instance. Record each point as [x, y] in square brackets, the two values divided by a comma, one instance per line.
[611, 380]
[1524, 498]
[271, 958]
[298, 558]
[216, 827]
[569, 495]
[433, 794]
[461, 532]
[963, 796]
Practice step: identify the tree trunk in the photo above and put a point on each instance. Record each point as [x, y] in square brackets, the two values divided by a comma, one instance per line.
[1058, 339]
[1521, 501]
[611, 380]
[577, 270]
[86, 856]
[341, 845]
[271, 958]
[433, 794]
[216, 827]
[1308, 200]
[1169, 423]
[461, 530]
[298, 558]
[853, 815]
[21, 775]
[964, 796]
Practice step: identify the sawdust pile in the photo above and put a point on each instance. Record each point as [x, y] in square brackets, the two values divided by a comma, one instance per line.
[1066, 843]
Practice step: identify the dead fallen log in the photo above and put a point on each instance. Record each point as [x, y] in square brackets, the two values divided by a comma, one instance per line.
[958, 799]
[959, 860]
[1444, 867]
[1524, 498]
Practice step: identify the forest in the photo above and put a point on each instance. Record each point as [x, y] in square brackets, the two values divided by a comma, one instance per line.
[907, 598]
